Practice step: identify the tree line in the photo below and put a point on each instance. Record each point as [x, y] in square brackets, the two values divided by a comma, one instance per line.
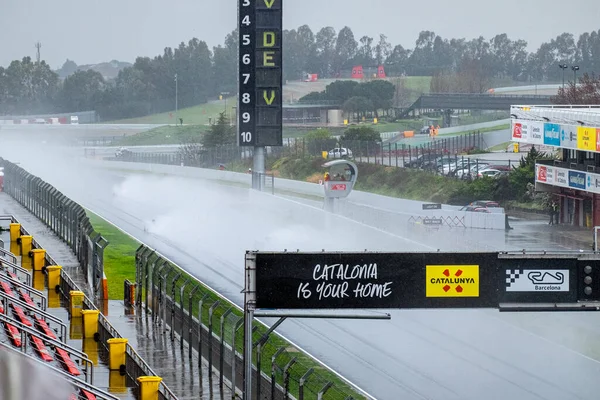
[28, 87]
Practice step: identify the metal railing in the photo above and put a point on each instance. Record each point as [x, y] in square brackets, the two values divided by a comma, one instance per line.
[211, 325]
[136, 366]
[78, 356]
[67, 219]
[28, 289]
[16, 269]
[77, 383]
[32, 310]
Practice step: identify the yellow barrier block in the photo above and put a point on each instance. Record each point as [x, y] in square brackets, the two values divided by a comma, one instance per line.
[76, 303]
[149, 387]
[116, 353]
[53, 272]
[39, 259]
[90, 323]
[26, 242]
[15, 232]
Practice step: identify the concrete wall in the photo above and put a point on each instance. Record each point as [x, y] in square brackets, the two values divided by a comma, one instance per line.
[371, 209]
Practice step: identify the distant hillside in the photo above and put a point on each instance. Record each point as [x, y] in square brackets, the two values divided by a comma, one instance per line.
[109, 70]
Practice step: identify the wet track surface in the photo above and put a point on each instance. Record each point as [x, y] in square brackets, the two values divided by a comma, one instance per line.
[459, 354]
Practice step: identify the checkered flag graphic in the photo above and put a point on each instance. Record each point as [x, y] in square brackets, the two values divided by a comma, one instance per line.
[512, 275]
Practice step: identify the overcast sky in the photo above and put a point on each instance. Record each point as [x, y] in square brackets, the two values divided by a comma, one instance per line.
[91, 31]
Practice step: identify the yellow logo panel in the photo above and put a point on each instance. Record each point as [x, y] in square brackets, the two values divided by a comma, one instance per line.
[452, 281]
[586, 138]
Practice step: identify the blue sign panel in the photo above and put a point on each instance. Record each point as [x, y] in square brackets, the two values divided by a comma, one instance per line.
[552, 135]
[577, 180]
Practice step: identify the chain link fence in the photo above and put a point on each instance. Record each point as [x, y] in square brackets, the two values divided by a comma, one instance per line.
[211, 325]
[67, 219]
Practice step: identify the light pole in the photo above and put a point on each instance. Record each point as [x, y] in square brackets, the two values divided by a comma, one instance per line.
[575, 68]
[176, 100]
[563, 67]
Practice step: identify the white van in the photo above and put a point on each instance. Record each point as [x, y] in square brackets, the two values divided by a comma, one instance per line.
[74, 120]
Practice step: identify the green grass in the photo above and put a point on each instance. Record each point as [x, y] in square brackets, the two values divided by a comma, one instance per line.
[484, 130]
[163, 135]
[197, 115]
[119, 255]
[340, 391]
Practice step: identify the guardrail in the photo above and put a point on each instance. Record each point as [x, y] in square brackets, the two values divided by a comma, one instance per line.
[67, 219]
[80, 357]
[211, 325]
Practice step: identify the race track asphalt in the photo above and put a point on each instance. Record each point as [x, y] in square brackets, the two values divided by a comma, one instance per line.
[445, 355]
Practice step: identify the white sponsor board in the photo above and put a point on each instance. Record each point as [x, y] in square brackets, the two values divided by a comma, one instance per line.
[537, 280]
[524, 131]
[567, 178]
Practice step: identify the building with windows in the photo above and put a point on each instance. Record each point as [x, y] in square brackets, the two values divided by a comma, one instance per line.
[574, 175]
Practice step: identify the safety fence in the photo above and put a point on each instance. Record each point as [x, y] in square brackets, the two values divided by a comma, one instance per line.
[212, 326]
[67, 219]
[369, 152]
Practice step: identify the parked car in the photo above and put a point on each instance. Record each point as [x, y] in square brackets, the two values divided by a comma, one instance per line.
[122, 152]
[485, 203]
[491, 173]
[470, 172]
[339, 152]
[505, 168]
[424, 159]
[470, 208]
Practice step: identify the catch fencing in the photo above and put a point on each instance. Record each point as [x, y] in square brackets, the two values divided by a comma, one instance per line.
[369, 152]
[67, 219]
[211, 325]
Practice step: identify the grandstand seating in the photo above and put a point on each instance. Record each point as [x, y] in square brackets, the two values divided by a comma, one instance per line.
[26, 327]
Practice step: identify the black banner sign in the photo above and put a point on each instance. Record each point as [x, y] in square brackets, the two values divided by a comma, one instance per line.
[420, 280]
[375, 280]
[432, 206]
[260, 115]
